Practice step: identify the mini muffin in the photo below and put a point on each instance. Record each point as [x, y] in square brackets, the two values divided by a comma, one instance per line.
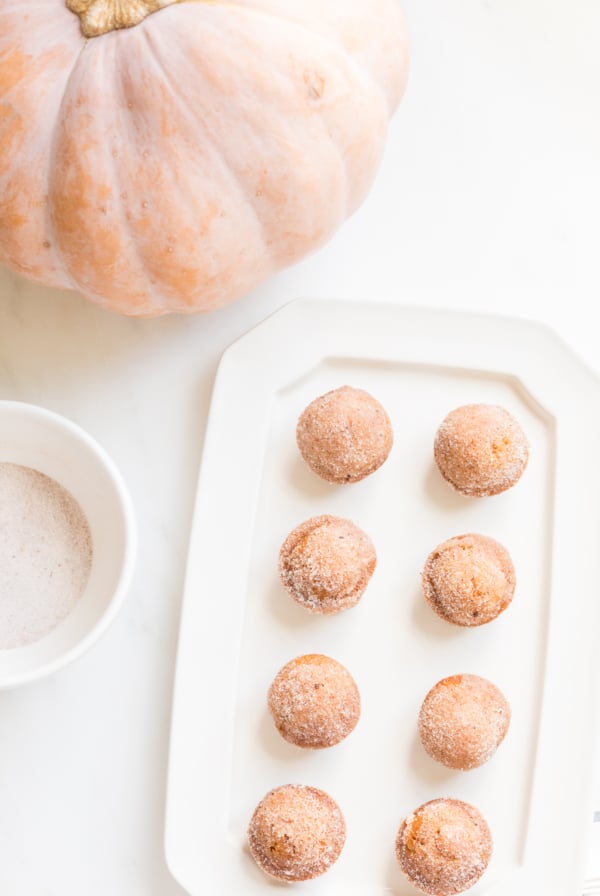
[314, 702]
[326, 563]
[344, 435]
[444, 847]
[463, 721]
[469, 579]
[296, 832]
[481, 450]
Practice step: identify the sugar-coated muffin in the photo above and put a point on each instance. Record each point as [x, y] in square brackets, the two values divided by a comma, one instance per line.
[326, 563]
[344, 435]
[463, 720]
[469, 579]
[314, 701]
[296, 832]
[481, 450]
[444, 847]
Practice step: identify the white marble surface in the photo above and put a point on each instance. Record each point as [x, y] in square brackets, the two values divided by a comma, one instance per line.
[487, 199]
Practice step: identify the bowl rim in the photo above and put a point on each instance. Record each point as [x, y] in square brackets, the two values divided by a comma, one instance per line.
[75, 431]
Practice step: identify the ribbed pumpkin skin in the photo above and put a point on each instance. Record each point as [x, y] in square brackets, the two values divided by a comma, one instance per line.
[175, 165]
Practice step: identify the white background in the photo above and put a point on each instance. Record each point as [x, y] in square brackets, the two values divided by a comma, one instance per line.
[488, 198]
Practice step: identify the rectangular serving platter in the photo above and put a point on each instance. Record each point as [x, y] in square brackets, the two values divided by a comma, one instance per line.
[239, 627]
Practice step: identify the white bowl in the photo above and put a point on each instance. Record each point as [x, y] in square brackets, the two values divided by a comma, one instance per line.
[38, 438]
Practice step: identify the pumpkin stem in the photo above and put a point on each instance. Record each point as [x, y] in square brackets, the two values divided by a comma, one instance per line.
[101, 16]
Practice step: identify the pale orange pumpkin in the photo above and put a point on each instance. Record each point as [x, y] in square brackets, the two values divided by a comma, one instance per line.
[163, 156]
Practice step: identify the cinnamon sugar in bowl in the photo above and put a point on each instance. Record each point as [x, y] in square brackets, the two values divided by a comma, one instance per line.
[67, 542]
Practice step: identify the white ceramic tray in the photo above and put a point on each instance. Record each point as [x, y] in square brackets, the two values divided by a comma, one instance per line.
[239, 627]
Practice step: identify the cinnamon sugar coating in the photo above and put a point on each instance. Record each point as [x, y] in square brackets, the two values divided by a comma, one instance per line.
[481, 450]
[314, 701]
[469, 579]
[296, 833]
[326, 563]
[344, 435]
[463, 720]
[444, 847]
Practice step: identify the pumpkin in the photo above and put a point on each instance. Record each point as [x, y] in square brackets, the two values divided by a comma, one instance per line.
[169, 155]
